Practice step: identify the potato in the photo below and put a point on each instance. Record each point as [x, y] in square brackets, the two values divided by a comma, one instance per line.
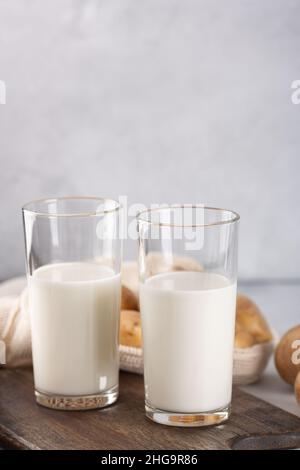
[159, 263]
[130, 276]
[129, 300]
[243, 339]
[250, 319]
[287, 355]
[156, 263]
[130, 328]
[297, 388]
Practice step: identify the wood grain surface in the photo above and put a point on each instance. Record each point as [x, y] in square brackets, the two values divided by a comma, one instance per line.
[25, 425]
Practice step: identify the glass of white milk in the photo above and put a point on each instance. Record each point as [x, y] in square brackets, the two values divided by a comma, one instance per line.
[73, 257]
[188, 275]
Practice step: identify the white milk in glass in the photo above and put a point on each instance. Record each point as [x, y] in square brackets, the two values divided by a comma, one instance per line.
[74, 310]
[188, 323]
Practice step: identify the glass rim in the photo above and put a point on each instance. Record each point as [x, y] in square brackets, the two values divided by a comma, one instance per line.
[235, 216]
[87, 213]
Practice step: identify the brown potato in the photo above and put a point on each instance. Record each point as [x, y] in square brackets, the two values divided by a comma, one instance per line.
[243, 339]
[286, 355]
[130, 276]
[130, 328]
[158, 263]
[297, 388]
[129, 300]
[250, 319]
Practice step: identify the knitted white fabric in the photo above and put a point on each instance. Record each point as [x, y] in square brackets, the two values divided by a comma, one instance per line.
[15, 330]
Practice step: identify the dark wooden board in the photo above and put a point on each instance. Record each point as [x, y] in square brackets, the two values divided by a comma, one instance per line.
[25, 425]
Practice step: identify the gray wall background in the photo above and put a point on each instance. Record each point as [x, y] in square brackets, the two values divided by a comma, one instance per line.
[161, 100]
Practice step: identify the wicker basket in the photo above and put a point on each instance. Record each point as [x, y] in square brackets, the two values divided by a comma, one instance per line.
[131, 359]
[249, 363]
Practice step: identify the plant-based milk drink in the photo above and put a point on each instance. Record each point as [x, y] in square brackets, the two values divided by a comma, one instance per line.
[74, 309]
[188, 323]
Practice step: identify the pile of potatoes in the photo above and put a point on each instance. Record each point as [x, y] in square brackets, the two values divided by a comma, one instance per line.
[251, 327]
[130, 320]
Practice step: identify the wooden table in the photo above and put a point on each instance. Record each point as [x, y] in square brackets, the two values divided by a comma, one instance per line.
[25, 425]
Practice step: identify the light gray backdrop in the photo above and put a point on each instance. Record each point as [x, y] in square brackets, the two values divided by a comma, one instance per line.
[162, 100]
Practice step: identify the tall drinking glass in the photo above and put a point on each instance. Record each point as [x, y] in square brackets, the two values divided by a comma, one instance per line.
[73, 257]
[188, 275]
